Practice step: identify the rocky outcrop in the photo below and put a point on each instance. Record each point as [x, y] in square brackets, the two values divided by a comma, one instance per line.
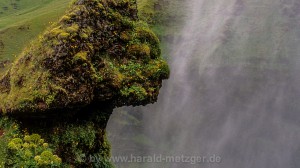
[97, 52]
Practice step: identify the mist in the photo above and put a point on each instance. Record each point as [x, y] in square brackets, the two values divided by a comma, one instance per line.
[233, 91]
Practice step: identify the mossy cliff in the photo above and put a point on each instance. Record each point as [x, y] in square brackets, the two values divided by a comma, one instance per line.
[64, 85]
[98, 51]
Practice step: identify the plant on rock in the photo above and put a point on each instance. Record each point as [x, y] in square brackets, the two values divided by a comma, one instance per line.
[30, 151]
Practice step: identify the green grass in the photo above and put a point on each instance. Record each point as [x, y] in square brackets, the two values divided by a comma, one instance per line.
[21, 25]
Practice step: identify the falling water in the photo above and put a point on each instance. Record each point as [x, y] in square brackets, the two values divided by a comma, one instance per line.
[234, 88]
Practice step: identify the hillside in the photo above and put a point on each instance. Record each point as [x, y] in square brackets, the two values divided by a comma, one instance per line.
[22, 20]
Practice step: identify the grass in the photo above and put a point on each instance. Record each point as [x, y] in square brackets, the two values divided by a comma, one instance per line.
[20, 25]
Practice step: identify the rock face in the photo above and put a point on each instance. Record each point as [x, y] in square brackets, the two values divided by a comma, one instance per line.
[97, 52]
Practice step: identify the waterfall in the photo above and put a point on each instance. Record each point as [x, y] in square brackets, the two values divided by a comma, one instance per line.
[234, 88]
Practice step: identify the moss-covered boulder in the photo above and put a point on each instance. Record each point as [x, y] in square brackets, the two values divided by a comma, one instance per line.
[98, 52]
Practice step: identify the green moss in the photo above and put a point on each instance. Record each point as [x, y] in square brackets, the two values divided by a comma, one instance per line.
[146, 35]
[88, 30]
[72, 29]
[82, 137]
[131, 69]
[139, 50]
[82, 55]
[158, 70]
[55, 31]
[84, 35]
[77, 139]
[59, 69]
[136, 91]
[125, 36]
[65, 18]
[63, 35]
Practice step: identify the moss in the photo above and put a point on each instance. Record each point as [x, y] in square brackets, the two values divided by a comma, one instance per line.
[65, 18]
[55, 31]
[139, 50]
[63, 35]
[136, 91]
[125, 36]
[82, 55]
[72, 29]
[80, 136]
[88, 30]
[77, 139]
[84, 35]
[146, 35]
[158, 70]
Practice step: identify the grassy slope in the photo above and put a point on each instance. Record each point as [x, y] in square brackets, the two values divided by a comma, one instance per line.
[19, 26]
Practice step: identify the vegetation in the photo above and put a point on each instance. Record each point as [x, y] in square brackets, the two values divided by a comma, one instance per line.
[30, 151]
[8, 130]
[77, 60]
[22, 20]
[64, 85]
[164, 16]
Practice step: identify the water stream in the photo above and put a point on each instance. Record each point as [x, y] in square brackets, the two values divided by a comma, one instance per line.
[234, 89]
